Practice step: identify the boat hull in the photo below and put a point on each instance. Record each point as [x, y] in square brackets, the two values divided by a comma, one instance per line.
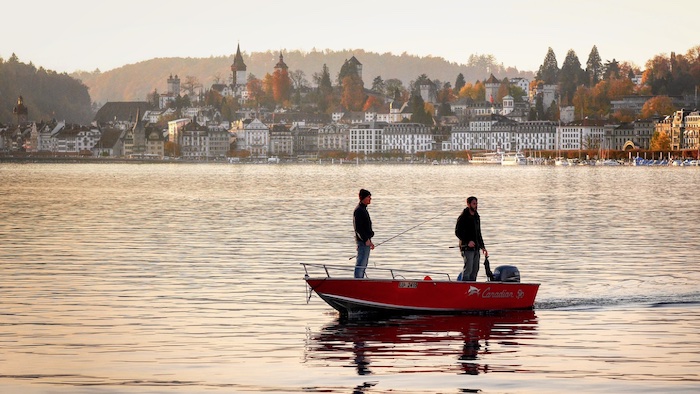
[394, 296]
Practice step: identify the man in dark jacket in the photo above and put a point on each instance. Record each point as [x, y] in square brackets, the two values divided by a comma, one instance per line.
[468, 230]
[363, 232]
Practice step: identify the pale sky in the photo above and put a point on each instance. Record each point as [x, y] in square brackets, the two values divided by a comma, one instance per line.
[71, 35]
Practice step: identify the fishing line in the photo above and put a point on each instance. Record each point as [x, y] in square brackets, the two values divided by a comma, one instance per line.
[405, 231]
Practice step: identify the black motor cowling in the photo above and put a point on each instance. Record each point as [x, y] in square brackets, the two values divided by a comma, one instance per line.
[506, 273]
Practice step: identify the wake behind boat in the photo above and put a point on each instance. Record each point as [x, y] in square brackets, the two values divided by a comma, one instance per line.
[392, 291]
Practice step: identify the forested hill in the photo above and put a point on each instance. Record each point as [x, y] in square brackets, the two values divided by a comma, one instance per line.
[136, 81]
[47, 94]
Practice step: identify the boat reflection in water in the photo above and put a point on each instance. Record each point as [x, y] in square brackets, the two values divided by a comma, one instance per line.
[426, 343]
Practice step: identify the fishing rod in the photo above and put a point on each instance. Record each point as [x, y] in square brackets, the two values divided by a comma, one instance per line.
[405, 231]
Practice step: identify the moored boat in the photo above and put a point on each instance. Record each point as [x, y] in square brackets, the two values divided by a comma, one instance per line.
[412, 292]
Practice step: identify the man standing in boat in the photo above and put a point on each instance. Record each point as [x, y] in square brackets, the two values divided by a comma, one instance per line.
[468, 230]
[363, 232]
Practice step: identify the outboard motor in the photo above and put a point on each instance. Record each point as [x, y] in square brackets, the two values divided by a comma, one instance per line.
[506, 273]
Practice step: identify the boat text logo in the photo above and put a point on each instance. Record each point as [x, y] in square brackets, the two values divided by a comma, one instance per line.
[487, 293]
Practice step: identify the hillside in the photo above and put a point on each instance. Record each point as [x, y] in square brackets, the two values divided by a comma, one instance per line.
[135, 81]
[47, 94]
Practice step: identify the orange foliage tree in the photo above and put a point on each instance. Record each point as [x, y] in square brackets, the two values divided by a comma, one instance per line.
[657, 106]
[281, 86]
[353, 96]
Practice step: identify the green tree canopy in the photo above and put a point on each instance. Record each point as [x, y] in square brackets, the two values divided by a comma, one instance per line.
[549, 70]
[594, 67]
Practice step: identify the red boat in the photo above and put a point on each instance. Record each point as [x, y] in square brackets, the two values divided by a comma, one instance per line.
[397, 294]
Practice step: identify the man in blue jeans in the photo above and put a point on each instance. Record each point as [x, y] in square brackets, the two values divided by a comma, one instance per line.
[363, 232]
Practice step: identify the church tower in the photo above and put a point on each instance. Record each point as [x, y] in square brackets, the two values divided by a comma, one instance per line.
[173, 85]
[21, 111]
[238, 69]
[281, 64]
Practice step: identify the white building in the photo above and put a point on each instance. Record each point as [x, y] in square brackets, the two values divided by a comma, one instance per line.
[409, 138]
[536, 135]
[585, 134]
[256, 139]
[522, 83]
[366, 137]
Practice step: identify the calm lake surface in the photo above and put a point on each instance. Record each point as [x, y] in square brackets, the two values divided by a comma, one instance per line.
[178, 278]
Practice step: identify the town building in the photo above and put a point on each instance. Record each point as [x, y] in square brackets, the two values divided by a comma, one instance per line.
[333, 137]
[583, 134]
[407, 138]
[366, 138]
[691, 137]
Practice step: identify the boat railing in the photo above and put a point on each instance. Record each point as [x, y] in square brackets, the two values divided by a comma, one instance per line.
[395, 273]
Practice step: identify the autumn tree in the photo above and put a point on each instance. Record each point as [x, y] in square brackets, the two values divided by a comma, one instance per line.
[373, 104]
[444, 97]
[660, 141]
[353, 94]
[594, 67]
[549, 70]
[657, 74]
[503, 90]
[281, 85]
[476, 92]
[255, 90]
[657, 106]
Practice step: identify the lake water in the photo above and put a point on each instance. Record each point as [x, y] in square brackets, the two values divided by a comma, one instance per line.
[178, 278]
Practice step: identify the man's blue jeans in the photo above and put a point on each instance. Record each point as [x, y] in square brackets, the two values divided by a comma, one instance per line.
[362, 259]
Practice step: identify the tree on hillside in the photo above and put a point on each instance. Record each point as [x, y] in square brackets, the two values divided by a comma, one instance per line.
[594, 67]
[299, 83]
[657, 106]
[353, 96]
[324, 85]
[444, 97]
[281, 86]
[395, 86]
[417, 108]
[516, 92]
[612, 69]
[373, 104]
[255, 91]
[459, 83]
[476, 92]
[190, 85]
[153, 98]
[503, 90]
[570, 77]
[483, 64]
[549, 70]
[378, 85]
[47, 94]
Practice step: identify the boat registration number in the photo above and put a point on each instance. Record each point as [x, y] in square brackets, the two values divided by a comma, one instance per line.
[408, 285]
